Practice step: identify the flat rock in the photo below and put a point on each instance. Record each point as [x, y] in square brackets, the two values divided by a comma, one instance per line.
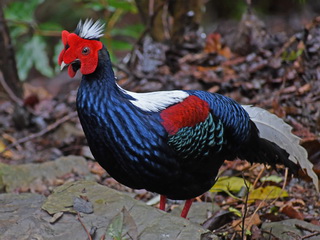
[33, 175]
[291, 229]
[28, 216]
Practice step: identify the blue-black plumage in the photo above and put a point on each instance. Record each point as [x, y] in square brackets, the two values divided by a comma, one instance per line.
[169, 142]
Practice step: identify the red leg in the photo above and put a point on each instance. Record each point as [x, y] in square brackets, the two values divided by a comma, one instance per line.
[163, 200]
[186, 208]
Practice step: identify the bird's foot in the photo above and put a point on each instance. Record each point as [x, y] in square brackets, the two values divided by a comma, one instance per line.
[163, 200]
[186, 208]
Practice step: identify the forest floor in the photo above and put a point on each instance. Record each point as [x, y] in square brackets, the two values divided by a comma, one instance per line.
[279, 72]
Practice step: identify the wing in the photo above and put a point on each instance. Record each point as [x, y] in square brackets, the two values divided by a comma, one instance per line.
[193, 131]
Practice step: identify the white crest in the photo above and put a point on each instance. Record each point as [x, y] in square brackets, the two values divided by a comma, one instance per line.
[90, 29]
[156, 101]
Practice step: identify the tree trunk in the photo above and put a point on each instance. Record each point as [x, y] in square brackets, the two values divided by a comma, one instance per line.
[172, 31]
[152, 13]
[170, 20]
[186, 19]
[10, 83]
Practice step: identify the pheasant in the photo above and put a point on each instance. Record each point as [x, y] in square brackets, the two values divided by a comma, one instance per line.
[169, 142]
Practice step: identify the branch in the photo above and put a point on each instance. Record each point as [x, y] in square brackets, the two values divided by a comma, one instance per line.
[42, 132]
[9, 91]
[79, 219]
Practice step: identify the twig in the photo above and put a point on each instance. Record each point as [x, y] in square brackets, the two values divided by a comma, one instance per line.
[42, 132]
[264, 200]
[233, 236]
[151, 10]
[10, 93]
[89, 236]
[304, 228]
[283, 186]
[166, 27]
[270, 233]
[311, 235]
[287, 44]
[258, 177]
[11, 139]
[292, 39]
[245, 210]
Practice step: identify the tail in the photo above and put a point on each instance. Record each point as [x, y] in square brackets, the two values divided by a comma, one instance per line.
[272, 154]
[278, 145]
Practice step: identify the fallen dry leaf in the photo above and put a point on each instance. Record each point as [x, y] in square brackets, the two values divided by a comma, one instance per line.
[218, 219]
[291, 209]
[232, 184]
[268, 192]
[291, 212]
[7, 153]
[248, 222]
[95, 168]
[305, 88]
[213, 43]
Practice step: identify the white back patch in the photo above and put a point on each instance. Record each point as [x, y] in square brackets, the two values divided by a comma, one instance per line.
[156, 101]
[90, 29]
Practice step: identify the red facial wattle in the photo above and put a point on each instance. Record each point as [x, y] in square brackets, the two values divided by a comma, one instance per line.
[80, 51]
[64, 38]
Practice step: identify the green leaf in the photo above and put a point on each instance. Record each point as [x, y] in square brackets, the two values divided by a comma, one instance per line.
[57, 49]
[122, 226]
[130, 30]
[17, 31]
[248, 232]
[116, 45]
[33, 53]
[125, 5]
[272, 178]
[52, 26]
[121, 45]
[274, 210]
[21, 11]
[24, 63]
[96, 6]
[229, 184]
[115, 227]
[268, 192]
[235, 211]
[292, 55]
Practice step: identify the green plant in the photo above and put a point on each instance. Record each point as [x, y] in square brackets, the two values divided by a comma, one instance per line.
[113, 11]
[36, 44]
[28, 37]
[291, 55]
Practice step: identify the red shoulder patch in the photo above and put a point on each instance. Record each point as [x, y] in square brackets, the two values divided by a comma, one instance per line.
[187, 113]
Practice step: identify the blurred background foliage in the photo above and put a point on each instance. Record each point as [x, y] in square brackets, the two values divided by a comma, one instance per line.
[35, 27]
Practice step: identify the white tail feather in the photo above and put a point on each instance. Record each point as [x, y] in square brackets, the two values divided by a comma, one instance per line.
[276, 130]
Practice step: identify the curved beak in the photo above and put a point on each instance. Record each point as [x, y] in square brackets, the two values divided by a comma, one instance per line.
[63, 65]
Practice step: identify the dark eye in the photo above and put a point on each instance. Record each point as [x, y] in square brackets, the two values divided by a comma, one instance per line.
[85, 51]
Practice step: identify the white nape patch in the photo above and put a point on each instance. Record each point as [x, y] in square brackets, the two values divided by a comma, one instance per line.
[156, 101]
[90, 29]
